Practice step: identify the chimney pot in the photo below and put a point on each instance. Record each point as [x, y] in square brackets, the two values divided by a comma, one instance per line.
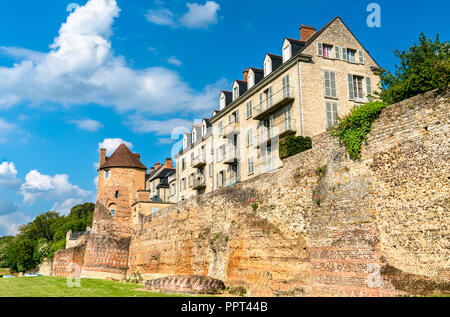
[246, 74]
[102, 157]
[306, 32]
[168, 163]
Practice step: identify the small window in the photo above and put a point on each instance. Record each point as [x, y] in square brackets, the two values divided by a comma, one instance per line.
[220, 128]
[107, 174]
[286, 53]
[327, 51]
[351, 55]
[113, 212]
[116, 194]
[235, 93]
[344, 54]
[249, 136]
[222, 102]
[368, 87]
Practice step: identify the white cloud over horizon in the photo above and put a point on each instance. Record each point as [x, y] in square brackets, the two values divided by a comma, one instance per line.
[81, 68]
[56, 188]
[10, 223]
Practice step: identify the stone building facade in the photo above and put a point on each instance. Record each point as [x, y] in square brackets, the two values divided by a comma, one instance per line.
[302, 92]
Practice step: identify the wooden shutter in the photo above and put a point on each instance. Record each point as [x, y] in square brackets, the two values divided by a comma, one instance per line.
[320, 49]
[361, 56]
[329, 115]
[327, 83]
[333, 84]
[368, 86]
[344, 54]
[270, 97]
[337, 52]
[261, 99]
[351, 95]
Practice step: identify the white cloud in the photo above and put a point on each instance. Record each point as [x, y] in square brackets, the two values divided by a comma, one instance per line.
[161, 17]
[174, 61]
[8, 175]
[200, 16]
[57, 188]
[65, 206]
[5, 128]
[10, 223]
[22, 53]
[80, 68]
[87, 124]
[168, 127]
[112, 144]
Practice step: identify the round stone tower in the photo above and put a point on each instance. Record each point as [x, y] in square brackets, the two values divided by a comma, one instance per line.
[120, 176]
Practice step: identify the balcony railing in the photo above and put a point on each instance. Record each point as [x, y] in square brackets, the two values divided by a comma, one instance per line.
[282, 129]
[231, 155]
[199, 161]
[273, 103]
[199, 183]
[230, 129]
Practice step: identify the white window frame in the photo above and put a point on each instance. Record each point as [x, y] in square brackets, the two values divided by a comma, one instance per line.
[250, 165]
[287, 52]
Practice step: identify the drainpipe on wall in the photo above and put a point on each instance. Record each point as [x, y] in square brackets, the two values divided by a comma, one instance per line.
[300, 99]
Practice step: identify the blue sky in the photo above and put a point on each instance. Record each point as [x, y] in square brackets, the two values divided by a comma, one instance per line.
[77, 74]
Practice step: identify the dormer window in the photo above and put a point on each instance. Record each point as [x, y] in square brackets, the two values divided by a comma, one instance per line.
[267, 67]
[235, 92]
[203, 129]
[193, 136]
[287, 52]
[250, 80]
[222, 101]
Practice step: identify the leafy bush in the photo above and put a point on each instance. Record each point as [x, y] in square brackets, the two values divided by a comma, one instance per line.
[353, 129]
[422, 68]
[292, 145]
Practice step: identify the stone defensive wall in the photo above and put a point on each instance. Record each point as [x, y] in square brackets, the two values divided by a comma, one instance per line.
[325, 225]
[68, 262]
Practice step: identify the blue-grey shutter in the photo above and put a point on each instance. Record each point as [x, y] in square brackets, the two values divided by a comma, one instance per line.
[329, 115]
[270, 97]
[327, 83]
[344, 54]
[351, 95]
[368, 86]
[337, 52]
[320, 49]
[333, 84]
[361, 56]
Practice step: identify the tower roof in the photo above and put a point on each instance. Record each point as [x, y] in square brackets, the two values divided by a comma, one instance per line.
[123, 157]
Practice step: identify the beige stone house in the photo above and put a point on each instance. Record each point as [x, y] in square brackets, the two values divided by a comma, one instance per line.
[302, 92]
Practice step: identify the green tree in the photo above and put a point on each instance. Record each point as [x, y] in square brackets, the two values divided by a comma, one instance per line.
[423, 67]
[20, 254]
[4, 243]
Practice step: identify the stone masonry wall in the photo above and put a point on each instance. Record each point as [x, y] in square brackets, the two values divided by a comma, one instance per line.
[68, 261]
[381, 226]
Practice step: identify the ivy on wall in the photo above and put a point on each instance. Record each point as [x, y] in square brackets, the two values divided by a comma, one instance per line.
[292, 145]
[353, 129]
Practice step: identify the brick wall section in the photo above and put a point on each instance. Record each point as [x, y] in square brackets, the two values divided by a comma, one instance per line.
[388, 212]
[63, 259]
[106, 257]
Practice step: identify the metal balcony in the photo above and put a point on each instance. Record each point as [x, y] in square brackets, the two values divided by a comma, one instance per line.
[199, 183]
[231, 129]
[281, 130]
[273, 103]
[199, 161]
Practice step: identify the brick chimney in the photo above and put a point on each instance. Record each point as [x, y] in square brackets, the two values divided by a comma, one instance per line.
[157, 165]
[306, 32]
[102, 157]
[168, 163]
[246, 74]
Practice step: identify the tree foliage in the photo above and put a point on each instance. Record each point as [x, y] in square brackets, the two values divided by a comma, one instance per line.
[422, 68]
[42, 237]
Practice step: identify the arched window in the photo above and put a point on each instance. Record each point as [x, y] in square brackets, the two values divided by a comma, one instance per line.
[112, 210]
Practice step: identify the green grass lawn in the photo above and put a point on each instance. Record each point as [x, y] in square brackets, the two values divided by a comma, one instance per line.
[57, 287]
